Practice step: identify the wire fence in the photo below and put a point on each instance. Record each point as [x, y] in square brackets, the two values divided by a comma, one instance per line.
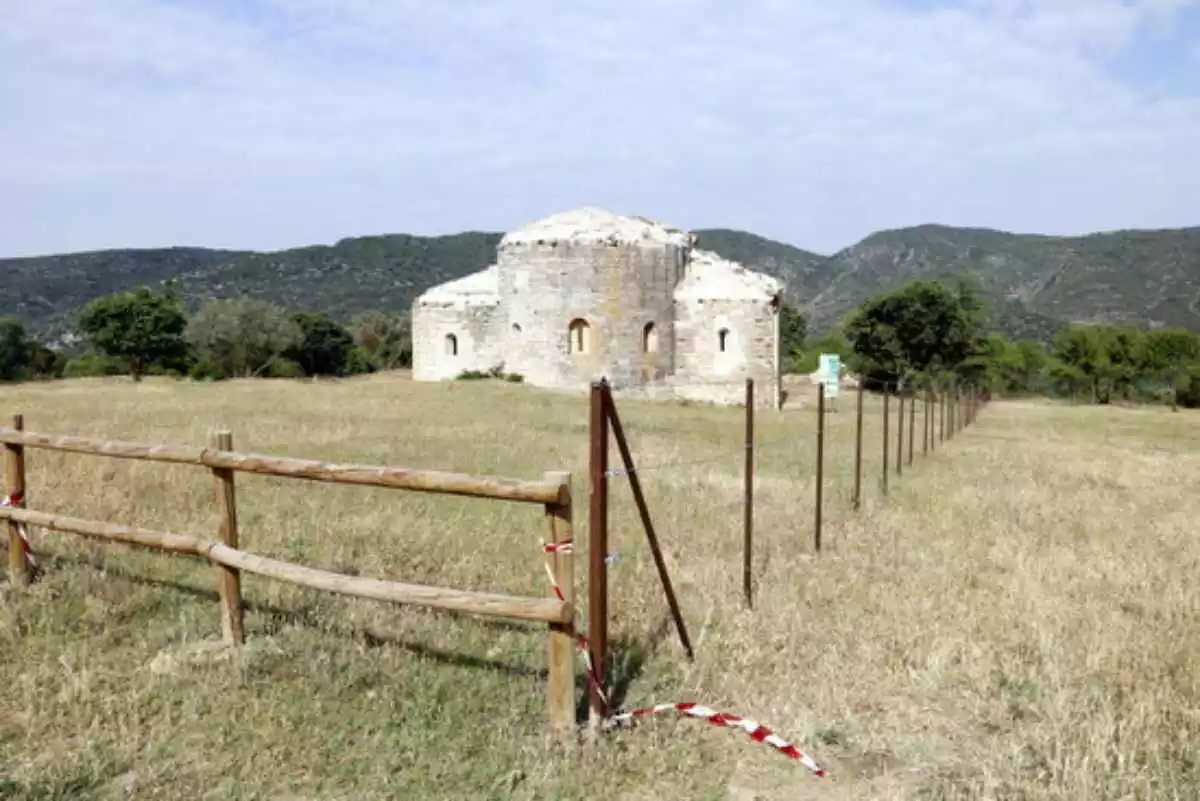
[845, 453]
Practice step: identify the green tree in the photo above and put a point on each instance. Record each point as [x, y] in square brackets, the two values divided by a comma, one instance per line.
[241, 337]
[1169, 356]
[324, 345]
[923, 328]
[385, 339]
[1124, 360]
[1013, 368]
[809, 359]
[141, 327]
[16, 350]
[793, 329]
[1098, 360]
[46, 363]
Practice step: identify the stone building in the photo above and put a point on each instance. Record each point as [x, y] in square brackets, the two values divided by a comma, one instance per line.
[588, 294]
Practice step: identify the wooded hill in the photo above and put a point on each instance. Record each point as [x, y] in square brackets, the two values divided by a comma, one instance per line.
[1032, 284]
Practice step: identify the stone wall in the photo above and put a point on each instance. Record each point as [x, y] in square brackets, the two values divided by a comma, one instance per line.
[615, 289]
[706, 372]
[473, 328]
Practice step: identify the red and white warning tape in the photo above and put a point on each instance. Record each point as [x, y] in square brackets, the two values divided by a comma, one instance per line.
[756, 731]
[16, 500]
[566, 546]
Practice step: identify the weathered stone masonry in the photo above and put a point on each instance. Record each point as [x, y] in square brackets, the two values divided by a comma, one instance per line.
[589, 294]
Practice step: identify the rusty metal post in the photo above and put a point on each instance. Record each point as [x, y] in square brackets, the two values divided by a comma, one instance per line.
[858, 436]
[598, 544]
[884, 484]
[748, 511]
[820, 462]
[925, 432]
[912, 424]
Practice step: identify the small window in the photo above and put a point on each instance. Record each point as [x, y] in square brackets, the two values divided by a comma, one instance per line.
[723, 340]
[650, 339]
[578, 336]
[451, 345]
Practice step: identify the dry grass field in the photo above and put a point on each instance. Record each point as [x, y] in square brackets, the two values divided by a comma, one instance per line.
[1020, 619]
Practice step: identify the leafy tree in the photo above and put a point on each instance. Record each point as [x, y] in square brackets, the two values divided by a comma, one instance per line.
[1125, 356]
[324, 345]
[46, 363]
[241, 337]
[385, 339]
[1169, 356]
[809, 359]
[1079, 350]
[16, 350]
[921, 328]
[142, 328]
[793, 328]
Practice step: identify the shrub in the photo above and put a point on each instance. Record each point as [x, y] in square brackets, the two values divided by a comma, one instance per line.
[91, 365]
[285, 368]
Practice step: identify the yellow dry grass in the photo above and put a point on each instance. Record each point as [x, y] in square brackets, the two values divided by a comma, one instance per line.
[1020, 619]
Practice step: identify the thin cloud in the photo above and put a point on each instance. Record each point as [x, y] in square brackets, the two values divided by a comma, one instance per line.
[272, 123]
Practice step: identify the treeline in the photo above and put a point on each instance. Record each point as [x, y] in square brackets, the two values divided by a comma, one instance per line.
[924, 333]
[142, 332]
[930, 333]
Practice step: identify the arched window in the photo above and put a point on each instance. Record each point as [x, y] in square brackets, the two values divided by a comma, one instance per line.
[451, 345]
[650, 339]
[723, 341]
[578, 336]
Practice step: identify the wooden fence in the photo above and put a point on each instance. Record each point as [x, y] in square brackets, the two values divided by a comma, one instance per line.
[552, 492]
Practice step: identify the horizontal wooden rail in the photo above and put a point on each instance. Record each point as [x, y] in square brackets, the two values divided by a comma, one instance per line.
[546, 610]
[436, 481]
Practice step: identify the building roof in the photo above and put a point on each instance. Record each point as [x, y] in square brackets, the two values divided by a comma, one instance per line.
[710, 277]
[477, 289]
[591, 224]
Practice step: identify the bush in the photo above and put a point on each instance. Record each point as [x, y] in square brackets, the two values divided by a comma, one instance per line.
[358, 361]
[284, 368]
[92, 365]
[205, 371]
[1188, 392]
[497, 371]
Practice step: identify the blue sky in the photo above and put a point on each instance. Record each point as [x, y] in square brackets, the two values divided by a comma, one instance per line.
[276, 123]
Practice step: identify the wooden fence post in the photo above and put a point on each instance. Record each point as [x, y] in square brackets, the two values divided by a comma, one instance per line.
[20, 570]
[561, 655]
[598, 545]
[748, 512]
[820, 462]
[858, 431]
[899, 431]
[912, 424]
[884, 484]
[229, 582]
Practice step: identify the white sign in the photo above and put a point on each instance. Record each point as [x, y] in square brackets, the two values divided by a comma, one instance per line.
[827, 373]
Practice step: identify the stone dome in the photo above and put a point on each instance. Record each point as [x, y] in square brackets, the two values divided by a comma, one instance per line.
[476, 289]
[593, 225]
[710, 277]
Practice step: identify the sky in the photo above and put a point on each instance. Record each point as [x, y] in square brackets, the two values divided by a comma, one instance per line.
[265, 124]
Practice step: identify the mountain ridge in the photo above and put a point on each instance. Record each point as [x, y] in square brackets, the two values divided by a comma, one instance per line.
[1032, 283]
